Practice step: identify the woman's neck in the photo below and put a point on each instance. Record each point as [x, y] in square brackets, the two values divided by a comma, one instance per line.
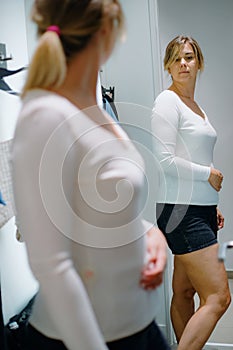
[81, 80]
[185, 92]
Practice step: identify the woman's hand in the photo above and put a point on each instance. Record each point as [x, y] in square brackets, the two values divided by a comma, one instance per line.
[215, 179]
[220, 219]
[152, 274]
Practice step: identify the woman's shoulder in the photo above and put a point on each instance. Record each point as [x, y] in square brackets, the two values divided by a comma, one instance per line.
[39, 100]
[167, 100]
[45, 108]
[42, 113]
[167, 95]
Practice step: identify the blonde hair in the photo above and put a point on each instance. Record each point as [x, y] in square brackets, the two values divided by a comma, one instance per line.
[173, 50]
[77, 21]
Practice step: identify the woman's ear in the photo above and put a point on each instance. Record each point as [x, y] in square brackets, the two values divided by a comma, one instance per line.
[108, 35]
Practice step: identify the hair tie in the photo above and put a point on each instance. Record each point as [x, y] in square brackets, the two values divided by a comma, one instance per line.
[54, 29]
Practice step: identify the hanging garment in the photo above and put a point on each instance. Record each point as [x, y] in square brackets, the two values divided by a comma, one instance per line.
[16, 329]
[6, 211]
[2, 200]
[108, 102]
[109, 110]
[4, 72]
[2, 329]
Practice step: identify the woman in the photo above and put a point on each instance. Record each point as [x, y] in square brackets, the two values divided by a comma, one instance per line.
[188, 196]
[78, 181]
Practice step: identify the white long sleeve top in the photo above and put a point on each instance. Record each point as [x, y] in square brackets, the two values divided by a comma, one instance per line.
[77, 189]
[183, 146]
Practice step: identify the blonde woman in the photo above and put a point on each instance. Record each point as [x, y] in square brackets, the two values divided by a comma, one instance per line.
[187, 200]
[78, 181]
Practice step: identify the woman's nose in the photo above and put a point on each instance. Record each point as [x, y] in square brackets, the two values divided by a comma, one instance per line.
[183, 61]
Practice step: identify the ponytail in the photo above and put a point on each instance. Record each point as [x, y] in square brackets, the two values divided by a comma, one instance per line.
[48, 65]
[65, 33]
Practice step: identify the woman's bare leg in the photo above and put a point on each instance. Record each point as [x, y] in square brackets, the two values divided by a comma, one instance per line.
[182, 304]
[208, 277]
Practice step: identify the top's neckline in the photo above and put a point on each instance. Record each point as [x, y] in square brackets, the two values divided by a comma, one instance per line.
[203, 117]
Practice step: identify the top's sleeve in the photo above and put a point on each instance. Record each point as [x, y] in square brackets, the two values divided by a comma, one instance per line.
[165, 125]
[38, 139]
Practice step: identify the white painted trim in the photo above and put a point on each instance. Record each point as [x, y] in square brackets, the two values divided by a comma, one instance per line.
[157, 66]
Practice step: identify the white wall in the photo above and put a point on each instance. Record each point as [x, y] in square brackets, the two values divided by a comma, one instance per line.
[17, 283]
[30, 29]
[210, 23]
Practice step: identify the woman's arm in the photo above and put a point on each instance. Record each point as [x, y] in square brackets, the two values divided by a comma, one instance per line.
[220, 219]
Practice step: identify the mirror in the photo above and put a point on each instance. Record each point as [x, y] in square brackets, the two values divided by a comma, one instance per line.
[136, 72]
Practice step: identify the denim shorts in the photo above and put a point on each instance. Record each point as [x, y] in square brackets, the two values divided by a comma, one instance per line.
[187, 228]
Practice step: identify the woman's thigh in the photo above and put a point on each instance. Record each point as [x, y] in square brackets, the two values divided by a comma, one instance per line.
[206, 274]
[181, 283]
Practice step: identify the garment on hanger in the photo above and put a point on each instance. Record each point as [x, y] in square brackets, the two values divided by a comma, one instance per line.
[6, 211]
[2, 200]
[2, 329]
[109, 110]
[4, 72]
[108, 102]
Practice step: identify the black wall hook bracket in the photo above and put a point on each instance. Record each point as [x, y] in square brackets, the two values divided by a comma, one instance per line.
[4, 58]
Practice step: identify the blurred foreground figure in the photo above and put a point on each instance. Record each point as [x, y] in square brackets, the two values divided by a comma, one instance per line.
[78, 183]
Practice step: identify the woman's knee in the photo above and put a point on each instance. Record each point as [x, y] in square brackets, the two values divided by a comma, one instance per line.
[220, 302]
[225, 300]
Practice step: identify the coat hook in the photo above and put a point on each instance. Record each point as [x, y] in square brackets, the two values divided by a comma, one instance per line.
[2, 58]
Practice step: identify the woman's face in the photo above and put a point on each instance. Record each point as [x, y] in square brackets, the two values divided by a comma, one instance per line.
[186, 65]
